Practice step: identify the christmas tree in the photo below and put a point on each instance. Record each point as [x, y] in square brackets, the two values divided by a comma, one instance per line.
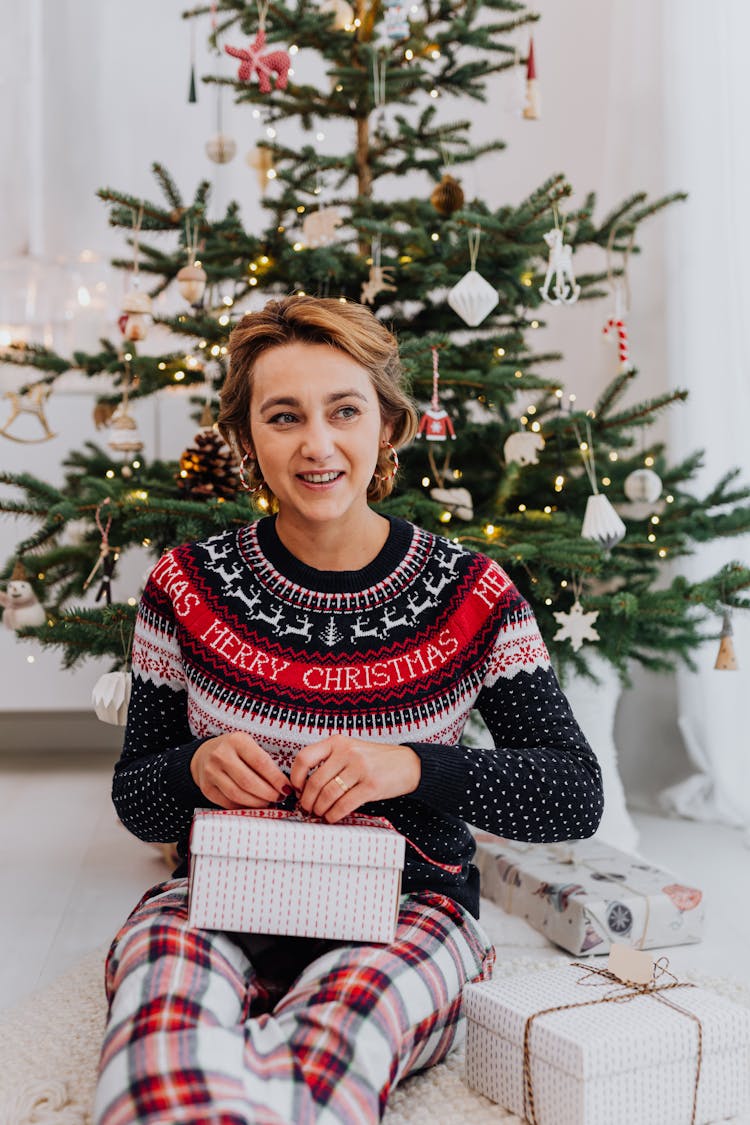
[586, 514]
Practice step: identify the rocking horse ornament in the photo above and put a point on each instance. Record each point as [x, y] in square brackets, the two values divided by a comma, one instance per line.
[560, 266]
[30, 402]
[253, 61]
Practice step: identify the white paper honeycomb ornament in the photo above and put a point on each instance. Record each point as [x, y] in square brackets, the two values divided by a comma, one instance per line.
[473, 298]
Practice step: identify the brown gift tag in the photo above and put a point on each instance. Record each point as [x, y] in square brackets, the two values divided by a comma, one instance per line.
[631, 966]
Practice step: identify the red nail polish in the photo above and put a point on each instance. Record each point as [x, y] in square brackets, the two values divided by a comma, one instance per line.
[287, 790]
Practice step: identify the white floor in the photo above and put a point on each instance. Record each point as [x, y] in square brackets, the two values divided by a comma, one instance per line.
[70, 873]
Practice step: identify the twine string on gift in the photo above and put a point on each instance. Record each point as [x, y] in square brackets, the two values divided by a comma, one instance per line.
[652, 988]
[558, 853]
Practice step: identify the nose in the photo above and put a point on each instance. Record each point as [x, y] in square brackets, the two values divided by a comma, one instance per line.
[317, 441]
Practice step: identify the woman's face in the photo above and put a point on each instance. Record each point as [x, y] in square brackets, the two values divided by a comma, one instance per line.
[317, 428]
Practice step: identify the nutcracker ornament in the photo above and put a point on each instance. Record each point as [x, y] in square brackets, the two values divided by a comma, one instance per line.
[435, 424]
[21, 607]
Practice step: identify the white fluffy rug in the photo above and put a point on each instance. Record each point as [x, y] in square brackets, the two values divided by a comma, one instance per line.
[49, 1047]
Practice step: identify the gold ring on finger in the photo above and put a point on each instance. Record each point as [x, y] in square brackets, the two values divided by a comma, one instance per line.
[340, 781]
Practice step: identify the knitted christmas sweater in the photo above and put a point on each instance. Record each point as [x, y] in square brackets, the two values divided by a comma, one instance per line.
[235, 633]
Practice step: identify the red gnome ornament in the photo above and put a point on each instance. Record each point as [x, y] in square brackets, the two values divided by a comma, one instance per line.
[253, 62]
[532, 108]
[435, 425]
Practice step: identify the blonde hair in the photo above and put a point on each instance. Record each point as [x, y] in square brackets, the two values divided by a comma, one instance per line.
[349, 327]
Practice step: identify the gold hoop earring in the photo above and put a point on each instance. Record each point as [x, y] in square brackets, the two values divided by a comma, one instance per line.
[243, 479]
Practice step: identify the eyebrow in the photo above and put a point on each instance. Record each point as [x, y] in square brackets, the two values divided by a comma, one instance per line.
[287, 400]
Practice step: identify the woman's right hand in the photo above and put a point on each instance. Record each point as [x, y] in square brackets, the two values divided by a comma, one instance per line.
[232, 771]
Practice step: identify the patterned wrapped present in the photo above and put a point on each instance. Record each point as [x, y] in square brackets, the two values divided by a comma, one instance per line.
[585, 895]
[676, 1056]
[270, 871]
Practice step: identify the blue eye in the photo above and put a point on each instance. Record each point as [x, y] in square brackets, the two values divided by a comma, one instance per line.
[348, 411]
[283, 419]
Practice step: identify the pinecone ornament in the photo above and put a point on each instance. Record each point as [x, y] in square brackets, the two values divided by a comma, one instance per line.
[208, 466]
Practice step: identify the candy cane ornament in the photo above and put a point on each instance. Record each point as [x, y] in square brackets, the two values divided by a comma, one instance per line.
[615, 326]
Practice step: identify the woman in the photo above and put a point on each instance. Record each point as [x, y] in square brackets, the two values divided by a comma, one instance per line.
[325, 656]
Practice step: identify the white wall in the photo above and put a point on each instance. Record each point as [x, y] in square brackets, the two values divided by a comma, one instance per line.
[114, 84]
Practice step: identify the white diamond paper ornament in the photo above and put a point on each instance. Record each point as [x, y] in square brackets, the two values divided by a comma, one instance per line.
[601, 522]
[111, 696]
[473, 298]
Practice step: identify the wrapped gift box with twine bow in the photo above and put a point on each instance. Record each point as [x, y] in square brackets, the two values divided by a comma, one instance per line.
[271, 871]
[585, 895]
[577, 1045]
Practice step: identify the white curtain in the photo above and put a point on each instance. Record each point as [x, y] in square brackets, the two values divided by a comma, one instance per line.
[707, 100]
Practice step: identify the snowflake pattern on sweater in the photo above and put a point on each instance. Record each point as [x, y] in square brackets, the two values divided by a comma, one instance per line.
[235, 633]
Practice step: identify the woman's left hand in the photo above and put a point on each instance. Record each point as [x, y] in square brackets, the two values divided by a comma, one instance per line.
[338, 775]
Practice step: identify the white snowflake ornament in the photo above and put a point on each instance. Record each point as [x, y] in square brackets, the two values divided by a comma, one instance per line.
[576, 626]
[319, 227]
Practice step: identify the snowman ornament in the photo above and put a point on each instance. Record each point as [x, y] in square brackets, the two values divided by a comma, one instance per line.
[21, 607]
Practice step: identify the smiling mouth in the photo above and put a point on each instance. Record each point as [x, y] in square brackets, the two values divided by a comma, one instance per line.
[319, 478]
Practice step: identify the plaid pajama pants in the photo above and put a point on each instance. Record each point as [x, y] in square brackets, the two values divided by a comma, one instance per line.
[197, 1033]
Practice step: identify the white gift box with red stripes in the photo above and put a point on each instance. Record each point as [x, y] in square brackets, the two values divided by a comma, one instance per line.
[271, 871]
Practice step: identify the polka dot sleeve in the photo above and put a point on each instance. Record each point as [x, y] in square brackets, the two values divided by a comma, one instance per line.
[541, 780]
[153, 790]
